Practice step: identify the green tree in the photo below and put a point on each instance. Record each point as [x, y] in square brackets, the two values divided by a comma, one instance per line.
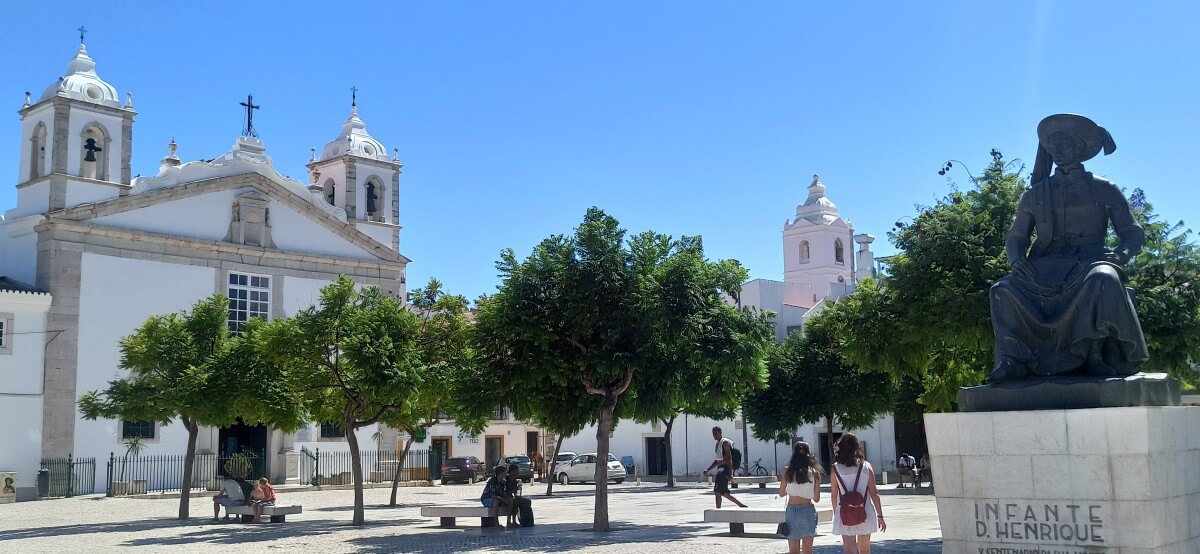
[172, 376]
[810, 381]
[353, 359]
[709, 356]
[444, 350]
[595, 314]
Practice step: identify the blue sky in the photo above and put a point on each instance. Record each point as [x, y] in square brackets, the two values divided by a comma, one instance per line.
[709, 118]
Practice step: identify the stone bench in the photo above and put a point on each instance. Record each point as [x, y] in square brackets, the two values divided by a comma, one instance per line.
[277, 513]
[762, 480]
[737, 518]
[447, 514]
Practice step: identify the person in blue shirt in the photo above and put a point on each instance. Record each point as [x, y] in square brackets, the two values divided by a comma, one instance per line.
[495, 494]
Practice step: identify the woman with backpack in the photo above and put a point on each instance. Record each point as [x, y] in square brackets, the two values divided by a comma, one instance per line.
[857, 511]
[801, 483]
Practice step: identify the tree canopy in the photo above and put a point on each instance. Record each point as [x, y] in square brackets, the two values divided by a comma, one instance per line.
[810, 381]
[595, 316]
[353, 360]
[180, 367]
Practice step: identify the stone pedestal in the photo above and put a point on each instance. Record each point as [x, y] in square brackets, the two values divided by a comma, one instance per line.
[1102, 480]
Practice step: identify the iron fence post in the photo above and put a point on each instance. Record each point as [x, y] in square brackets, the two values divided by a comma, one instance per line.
[108, 490]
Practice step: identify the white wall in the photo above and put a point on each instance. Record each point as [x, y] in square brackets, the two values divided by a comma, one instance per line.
[32, 199]
[297, 233]
[378, 232]
[21, 376]
[204, 217]
[87, 193]
[18, 249]
[116, 296]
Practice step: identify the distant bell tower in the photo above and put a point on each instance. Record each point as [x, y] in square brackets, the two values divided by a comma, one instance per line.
[818, 245]
[76, 141]
[354, 172]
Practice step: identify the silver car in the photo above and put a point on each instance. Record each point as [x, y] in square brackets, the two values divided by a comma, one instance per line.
[583, 469]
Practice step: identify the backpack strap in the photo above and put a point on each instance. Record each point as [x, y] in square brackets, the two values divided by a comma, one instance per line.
[859, 476]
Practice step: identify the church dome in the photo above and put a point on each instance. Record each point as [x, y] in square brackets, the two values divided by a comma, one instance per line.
[82, 83]
[817, 208]
[355, 140]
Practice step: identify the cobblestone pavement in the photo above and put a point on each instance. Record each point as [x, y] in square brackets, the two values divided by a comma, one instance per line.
[645, 518]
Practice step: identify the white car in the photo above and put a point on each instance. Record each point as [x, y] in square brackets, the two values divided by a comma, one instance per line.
[583, 468]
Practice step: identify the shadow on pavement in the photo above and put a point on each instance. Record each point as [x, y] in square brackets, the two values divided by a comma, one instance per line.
[554, 537]
[243, 533]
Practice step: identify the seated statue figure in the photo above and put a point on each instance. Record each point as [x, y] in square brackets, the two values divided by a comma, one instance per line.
[1065, 310]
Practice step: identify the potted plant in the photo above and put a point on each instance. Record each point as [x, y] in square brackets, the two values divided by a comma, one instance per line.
[121, 487]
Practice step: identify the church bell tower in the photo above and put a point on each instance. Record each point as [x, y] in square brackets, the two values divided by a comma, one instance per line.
[355, 173]
[76, 141]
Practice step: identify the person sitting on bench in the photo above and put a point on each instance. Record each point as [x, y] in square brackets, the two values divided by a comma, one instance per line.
[263, 495]
[494, 495]
[233, 493]
[906, 467]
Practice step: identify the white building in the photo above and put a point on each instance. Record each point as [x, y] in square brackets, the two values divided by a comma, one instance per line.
[818, 266]
[102, 251]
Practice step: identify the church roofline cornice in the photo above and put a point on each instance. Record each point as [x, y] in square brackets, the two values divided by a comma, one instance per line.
[67, 177]
[81, 104]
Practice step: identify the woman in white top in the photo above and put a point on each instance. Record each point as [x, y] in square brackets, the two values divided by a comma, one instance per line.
[801, 483]
[853, 473]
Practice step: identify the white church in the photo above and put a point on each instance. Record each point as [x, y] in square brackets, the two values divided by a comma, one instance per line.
[88, 253]
[819, 266]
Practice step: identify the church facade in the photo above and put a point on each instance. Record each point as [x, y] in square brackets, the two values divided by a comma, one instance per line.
[819, 266]
[88, 253]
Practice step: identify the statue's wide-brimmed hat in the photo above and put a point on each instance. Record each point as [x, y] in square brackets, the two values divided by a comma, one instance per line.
[1093, 138]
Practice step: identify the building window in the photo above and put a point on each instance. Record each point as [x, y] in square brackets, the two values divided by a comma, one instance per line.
[794, 329]
[804, 253]
[4, 348]
[839, 252]
[500, 414]
[137, 430]
[331, 430]
[249, 297]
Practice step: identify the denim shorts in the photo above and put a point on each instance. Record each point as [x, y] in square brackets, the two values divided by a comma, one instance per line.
[487, 502]
[801, 520]
[227, 502]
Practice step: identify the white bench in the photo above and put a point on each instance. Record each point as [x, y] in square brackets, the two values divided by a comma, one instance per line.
[447, 514]
[737, 518]
[278, 513]
[762, 480]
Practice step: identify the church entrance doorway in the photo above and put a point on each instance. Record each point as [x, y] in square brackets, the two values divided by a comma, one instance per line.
[250, 440]
[656, 456]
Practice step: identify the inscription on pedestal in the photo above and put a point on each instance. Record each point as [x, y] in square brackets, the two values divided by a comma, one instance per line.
[1069, 524]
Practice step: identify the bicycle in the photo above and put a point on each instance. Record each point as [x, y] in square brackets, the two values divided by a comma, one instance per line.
[758, 469]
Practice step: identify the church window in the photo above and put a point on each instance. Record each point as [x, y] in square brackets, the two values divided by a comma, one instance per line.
[6, 333]
[332, 430]
[249, 297]
[137, 430]
[37, 152]
[839, 252]
[94, 150]
[3, 335]
[804, 252]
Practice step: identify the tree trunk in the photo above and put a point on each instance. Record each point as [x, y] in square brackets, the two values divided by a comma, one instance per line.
[189, 459]
[553, 466]
[745, 443]
[400, 464]
[829, 433]
[356, 468]
[605, 425]
[667, 424]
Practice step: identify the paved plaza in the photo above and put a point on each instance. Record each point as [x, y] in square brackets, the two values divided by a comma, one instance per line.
[646, 518]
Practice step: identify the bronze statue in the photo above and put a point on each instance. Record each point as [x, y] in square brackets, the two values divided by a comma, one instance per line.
[1065, 309]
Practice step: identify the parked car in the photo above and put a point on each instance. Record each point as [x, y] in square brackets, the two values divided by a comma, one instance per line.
[560, 462]
[524, 467]
[583, 469]
[463, 469]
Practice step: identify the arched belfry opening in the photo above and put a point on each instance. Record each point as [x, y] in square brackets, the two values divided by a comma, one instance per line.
[373, 196]
[328, 190]
[37, 151]
[805, 253]
[839, 251]
[94, 148]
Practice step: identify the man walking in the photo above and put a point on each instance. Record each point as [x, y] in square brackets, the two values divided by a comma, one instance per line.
[724, 464]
